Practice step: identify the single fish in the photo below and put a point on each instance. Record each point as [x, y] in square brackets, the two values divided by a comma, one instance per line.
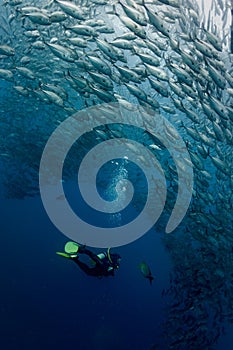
[57, 17]
[26, 72]
[71, 9]
[21, 90]
[102, 94]
[122, 44]
[78, 42]
[134, 14]
[159, 87]
[157, 72]
[136, 91]
[133, 26]
[54, 98]
[39, 18]
[82, 29]
[6, 50]
[147, 58]
[146, 272]
[128, 75]
[112, 52]
[104, 81]
[99, 64]
[217, 76]
[157, 22]
[65, 53]
[6, 74]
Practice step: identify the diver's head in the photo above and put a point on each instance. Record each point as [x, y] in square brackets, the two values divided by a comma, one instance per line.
[116, 258]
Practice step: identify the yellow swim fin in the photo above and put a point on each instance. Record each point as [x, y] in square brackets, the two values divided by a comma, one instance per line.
[71, 247]
[64, 255]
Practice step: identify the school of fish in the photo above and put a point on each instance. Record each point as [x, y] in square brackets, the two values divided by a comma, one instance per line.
[61, 56]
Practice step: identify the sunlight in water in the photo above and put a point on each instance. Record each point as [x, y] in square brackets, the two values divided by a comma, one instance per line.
[117, 190]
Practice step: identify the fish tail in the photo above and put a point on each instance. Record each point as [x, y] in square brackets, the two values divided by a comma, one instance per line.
[68, 73]
[151, 278]
[112, 11]
[50, 3]
[65, 27]
[182, 124]
[193, 36]
[144, 2]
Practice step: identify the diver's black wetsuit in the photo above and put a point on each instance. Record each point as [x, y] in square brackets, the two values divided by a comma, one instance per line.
[103, 267]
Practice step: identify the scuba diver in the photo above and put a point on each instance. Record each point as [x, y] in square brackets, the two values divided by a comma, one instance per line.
[103, 264]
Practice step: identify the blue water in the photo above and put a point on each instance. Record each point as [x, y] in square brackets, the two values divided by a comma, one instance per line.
[48, 303]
